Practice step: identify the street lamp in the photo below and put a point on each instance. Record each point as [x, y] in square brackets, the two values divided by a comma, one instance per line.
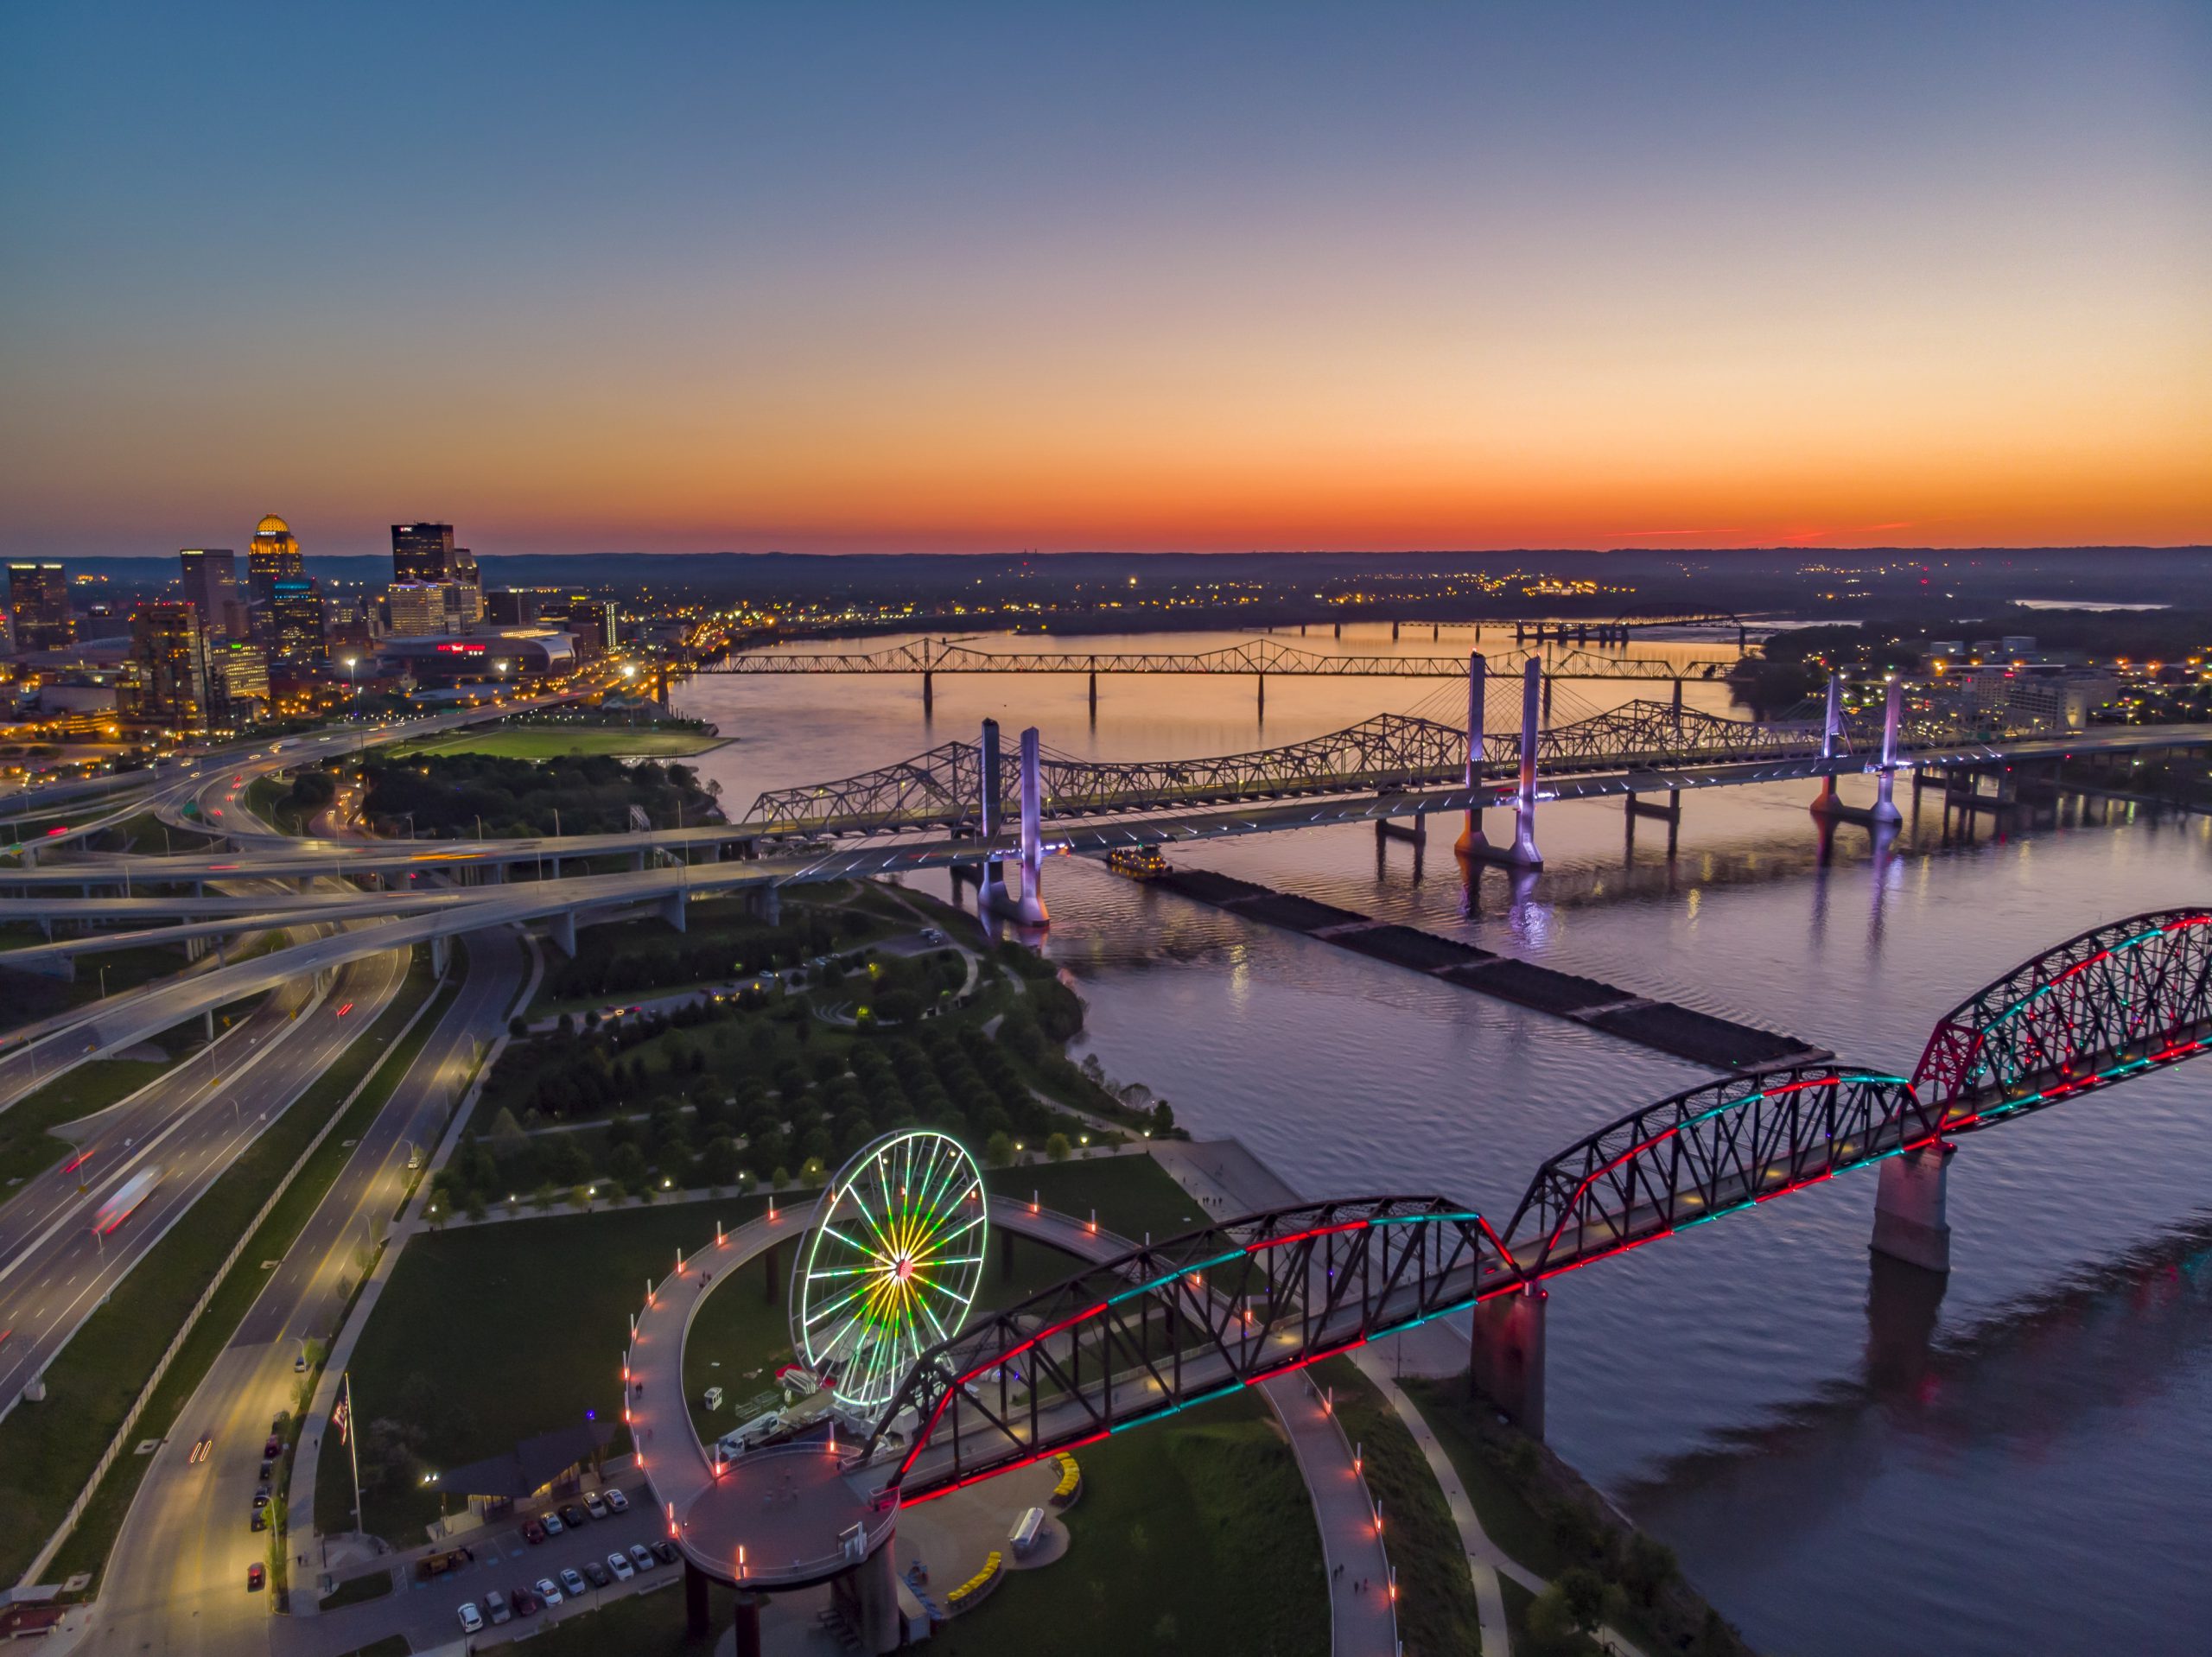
[354, 685]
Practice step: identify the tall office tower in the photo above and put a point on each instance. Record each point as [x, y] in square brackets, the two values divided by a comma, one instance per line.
[296, 624]
[238, 683]
[416, 609]
[168, 654]
[273, 557]
[423, 552]
[38, 608]
[210, 580]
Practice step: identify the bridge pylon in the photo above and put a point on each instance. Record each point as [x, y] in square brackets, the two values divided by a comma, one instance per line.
[1028, 908]
[1885, 809]
[1472, 843]
[1825, 803]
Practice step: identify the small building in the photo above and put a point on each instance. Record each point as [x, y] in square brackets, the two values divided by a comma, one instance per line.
[550, 1464]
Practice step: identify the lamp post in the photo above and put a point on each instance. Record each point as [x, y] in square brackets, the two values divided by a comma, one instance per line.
[353, 687]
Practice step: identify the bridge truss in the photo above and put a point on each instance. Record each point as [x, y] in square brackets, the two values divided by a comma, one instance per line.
[2117, 1001]
[1167, 1326]
[1257, 657]
[1707, 1151]
[1388, 753]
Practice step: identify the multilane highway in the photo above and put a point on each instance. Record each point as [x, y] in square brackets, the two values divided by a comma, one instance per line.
[177, 1581]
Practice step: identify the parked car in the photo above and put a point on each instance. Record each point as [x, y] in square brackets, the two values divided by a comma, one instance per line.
[593, 1506]
[495, 1606]
[598, 1573]
[620, 1566]
[572, 1584]
[664, 1551]
[547, 1593]
[617, 1500]
[525, 1603]
[532, 1532]
[572, 1516]
[274, 1448]
[255, 1577]
[261, 1498]
[267, 1465]
[260, 1519]
[551, 1521]
[641, 1556]
[471, 1620]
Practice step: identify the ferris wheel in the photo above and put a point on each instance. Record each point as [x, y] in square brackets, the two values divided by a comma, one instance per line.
[891, 1265]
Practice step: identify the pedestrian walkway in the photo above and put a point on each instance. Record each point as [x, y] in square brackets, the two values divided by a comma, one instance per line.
[1360, 1614]
[1486, 1561]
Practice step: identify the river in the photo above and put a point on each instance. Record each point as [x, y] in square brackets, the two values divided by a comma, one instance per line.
[1847, 1461]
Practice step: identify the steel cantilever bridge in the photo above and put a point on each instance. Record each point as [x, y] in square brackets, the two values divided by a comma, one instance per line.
[1167, 1326]
[944, 787]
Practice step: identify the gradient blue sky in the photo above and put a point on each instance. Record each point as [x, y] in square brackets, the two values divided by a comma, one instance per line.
[967, 277]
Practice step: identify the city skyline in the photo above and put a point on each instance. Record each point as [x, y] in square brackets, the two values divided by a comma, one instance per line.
[1163, 281]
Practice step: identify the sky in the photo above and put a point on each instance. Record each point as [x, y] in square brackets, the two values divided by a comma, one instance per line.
[843, 277]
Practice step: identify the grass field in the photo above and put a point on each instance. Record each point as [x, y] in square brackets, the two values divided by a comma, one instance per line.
[554, 741]
[52, 1452]
[1436, 1597]
[356, 1590]
[1195, 1535]
[552, 1297]
[1132, 1195]
[28, 1148]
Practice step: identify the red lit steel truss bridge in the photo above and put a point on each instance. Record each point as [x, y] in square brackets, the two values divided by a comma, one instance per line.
[1167, 1326]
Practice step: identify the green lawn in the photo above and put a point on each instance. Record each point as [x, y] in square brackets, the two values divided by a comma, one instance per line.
[147, 835]
[552, 741]
[50, 1453]
[1132, 1195]
[552, 1297]
[28, 1148]
[1508, 1516]
[650, 1624]
[392, 1645]
[1436, 1596]
[1195, 1535]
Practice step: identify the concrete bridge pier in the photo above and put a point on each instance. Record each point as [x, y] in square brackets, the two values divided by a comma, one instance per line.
[1505, 1358]
[441, 952]
[1094, 698]
[1262, 677]
[564, 933]
[929, 694]
[1909, 1222]
[747, 1626]
[1394, 633]
[869, 1594]
[672, 908]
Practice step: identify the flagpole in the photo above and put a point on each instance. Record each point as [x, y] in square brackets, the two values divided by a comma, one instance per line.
[353, 1450]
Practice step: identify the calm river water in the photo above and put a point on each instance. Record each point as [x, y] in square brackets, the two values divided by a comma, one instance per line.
[1847, 1462]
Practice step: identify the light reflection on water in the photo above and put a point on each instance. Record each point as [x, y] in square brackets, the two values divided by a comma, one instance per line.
[2033, 1481]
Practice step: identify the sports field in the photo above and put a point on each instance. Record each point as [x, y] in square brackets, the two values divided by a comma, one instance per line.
[552, 741]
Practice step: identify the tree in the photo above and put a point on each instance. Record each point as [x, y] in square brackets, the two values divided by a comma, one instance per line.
[999, 1151]
[627, 1165]
[1058, 1147]
[1647, 1566]
[718, 1164]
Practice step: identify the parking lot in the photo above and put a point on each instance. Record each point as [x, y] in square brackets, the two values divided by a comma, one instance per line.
[427, 1612]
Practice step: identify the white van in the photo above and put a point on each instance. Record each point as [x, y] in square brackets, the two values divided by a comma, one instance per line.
[751, 1436]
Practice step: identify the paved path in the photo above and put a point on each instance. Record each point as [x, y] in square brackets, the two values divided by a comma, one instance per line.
[1360, 1617]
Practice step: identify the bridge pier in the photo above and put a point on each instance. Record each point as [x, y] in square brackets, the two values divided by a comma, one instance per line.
[929, 694]
[441, 952]
[672, 908]
[1523, 854]
[747, 1626]
[1910, 1219]
[1394, 633]
[1094, 697]
[564, 932]
[1262, 677]
[874, 1585]
[1505, 1357]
